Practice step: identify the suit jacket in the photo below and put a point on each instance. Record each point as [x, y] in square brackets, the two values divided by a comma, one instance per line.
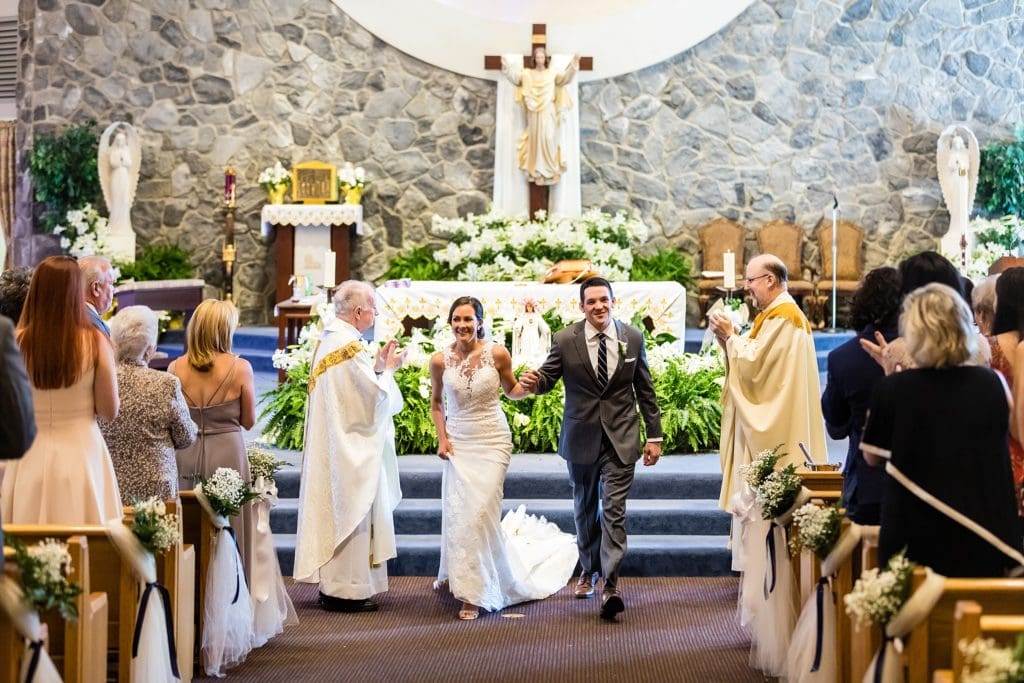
[591, 410]
[97, 320]
[18, 425]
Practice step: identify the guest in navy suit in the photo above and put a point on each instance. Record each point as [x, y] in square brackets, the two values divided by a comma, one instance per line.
[852, 376]
[98, 279]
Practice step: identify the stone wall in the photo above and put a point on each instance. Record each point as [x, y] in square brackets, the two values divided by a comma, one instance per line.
[793, 101]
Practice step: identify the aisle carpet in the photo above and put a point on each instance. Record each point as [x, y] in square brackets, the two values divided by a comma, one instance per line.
[674, 629]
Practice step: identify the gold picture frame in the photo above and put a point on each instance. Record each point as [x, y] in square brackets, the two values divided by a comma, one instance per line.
[314, 182]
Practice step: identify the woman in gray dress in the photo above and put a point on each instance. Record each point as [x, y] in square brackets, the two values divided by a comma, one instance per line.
[221, 396]
[153, 420]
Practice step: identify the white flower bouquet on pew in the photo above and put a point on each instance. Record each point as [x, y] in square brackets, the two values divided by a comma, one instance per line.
[272, 608]
[156, 529]
[812, 650]
[985, 662]
[228, 634]
[44, 567]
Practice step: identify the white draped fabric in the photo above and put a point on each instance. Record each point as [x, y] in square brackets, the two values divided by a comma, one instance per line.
[272, 608]
[35, 660]
[511, 192]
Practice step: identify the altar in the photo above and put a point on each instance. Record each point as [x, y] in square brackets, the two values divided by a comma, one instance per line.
[663, 303]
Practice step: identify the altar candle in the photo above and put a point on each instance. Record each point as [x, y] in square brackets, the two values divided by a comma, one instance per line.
[729, 266]
[329, 269]
[229, 186]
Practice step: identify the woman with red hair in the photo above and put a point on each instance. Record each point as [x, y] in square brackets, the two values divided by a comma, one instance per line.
[67, 476]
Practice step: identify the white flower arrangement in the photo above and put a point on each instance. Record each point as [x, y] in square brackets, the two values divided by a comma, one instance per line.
[154, 527]
[352, 176]
[43, 571]
[985, 662]
[878, 595]
[275, 175]
[995, 239]
[227, 491]
[817, 529]
[760, 467]
[262, 463]
[778, 491]
[494, 247]
[84, 232]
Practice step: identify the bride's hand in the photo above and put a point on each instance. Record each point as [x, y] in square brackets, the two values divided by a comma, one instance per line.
[444, 449]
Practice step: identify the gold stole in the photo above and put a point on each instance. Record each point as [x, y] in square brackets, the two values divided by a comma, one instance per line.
[788, 311]
[333, 358]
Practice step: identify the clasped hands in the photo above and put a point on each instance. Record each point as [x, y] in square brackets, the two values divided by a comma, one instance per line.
[721, 326]
[389, 357]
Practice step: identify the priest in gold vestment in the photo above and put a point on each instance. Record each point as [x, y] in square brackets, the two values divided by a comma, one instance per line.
[771, 394]
[350, 483]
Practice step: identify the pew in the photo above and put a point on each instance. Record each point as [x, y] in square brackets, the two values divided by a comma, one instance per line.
[824, 485]
[970, 623]
[864, 642]
[197, 531]
[77, 648]
[930, 645]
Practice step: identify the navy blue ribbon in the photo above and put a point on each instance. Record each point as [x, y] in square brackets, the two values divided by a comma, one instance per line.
[37, 650]
[880, 663]
[819, 637]
[238, 569]
[770, 544]
[169, 623]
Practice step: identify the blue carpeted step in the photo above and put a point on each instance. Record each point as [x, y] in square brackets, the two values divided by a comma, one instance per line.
[657, 555]
[645, 516]
[255, 344]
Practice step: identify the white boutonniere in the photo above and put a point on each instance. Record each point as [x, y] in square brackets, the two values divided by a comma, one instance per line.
[622, 349]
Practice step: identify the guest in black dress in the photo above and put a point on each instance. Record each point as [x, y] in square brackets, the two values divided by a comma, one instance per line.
[852, 376]
[943, 425]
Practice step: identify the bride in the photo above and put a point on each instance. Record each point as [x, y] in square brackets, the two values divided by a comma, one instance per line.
[489, 563]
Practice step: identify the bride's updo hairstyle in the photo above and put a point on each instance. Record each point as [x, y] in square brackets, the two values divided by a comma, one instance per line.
[478, 310]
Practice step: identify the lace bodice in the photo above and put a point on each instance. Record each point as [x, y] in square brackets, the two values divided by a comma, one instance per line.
[472, 390]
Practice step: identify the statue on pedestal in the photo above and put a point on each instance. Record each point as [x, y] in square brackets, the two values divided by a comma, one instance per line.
[531, 337]
[958, 159]
[119, 161]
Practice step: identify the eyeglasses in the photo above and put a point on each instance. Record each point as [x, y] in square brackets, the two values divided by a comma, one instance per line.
[752, 279]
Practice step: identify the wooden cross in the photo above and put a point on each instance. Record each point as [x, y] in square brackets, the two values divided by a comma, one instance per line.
[538, 193]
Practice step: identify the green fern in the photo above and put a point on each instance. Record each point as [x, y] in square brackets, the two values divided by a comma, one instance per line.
[665, 265]
[286, 410]
[418, 264]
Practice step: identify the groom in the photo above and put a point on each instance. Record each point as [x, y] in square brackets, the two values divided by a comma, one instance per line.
[605, 370]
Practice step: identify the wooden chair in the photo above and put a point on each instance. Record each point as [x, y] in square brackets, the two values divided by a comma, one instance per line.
[930, 644]
[78, 648]
[716, 237]
[849, 260]
[785, 240]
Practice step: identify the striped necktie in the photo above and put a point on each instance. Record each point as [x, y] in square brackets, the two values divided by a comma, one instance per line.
[602, 359]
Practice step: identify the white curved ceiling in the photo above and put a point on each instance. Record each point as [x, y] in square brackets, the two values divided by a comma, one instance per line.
[621, 35]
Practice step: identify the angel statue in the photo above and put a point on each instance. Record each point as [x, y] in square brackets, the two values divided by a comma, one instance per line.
[957, 160]
[531, 337]
[119, 163]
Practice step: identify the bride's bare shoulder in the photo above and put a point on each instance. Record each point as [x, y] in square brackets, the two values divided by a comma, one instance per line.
[437, 360]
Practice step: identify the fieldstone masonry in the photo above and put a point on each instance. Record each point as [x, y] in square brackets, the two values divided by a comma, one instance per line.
[793, 101]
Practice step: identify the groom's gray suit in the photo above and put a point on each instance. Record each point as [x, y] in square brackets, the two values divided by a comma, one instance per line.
[600, 437]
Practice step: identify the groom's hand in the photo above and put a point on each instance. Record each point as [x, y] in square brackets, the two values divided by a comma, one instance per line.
[528, 380]
[652, 451]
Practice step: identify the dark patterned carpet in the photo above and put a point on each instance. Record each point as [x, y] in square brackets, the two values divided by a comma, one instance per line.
[674, 629]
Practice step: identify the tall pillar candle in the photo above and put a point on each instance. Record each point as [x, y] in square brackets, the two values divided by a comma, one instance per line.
[729, 266]
[329, 274]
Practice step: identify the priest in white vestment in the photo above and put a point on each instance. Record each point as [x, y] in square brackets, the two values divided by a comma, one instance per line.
[771, 394]
[350, 483]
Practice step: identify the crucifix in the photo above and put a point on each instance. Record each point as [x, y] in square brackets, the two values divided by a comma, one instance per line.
[540, 91]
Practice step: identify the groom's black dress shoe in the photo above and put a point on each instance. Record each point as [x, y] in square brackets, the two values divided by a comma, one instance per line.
[333, 604]
[611, 604]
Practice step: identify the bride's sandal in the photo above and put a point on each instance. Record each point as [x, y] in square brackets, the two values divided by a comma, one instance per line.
[468, 612]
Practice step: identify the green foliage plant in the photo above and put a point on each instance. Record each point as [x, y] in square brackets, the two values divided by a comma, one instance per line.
[64, 171]
[664, 265]
[285, 409]
[1001, 176]
[418, 264]
[691, 408]
[159, 262]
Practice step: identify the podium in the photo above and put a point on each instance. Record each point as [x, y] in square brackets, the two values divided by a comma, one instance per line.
[304, 233]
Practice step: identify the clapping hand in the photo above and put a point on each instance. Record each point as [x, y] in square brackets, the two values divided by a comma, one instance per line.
[721, 325]
[389, 357]
[876, 351]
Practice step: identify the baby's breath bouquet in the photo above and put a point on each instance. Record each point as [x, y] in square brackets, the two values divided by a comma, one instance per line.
[778, 492]
[262, 463]
[762, 465]
[227, 491]
[156, 529]
[878, 595]
[817, 529]
[985, 662]
[44, 567]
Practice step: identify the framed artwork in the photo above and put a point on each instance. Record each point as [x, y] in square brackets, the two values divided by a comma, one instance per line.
[314, 182]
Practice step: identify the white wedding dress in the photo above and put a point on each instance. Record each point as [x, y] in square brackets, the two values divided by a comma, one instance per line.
[488, 562]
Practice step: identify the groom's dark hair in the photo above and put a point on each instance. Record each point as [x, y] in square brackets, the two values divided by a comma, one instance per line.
[478, 310]
[595, 282]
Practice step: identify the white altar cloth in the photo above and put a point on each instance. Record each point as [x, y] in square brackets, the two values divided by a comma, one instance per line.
[312, 215]
[663, 302]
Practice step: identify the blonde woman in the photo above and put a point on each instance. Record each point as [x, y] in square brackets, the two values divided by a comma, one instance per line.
[219, 390]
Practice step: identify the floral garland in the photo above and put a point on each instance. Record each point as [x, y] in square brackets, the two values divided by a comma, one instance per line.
[984, 662]
[817, 529]
[155, 528]
[878, 595]
[494, 247]
[227, 491]
[44, 568]
[84, 232]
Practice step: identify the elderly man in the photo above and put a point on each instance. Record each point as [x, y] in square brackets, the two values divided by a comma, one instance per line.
[350, 472]
[98, 279]
[771, 393]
